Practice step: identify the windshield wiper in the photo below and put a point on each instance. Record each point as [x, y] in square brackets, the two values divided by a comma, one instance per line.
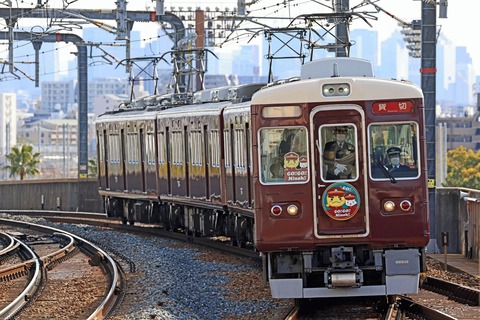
[384, 170]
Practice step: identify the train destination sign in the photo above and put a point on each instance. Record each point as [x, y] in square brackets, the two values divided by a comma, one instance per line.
[392, 107]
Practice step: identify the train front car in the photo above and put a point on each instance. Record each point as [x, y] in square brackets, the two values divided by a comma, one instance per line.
[341, 198]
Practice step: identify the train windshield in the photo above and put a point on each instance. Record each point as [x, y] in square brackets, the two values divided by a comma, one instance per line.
[284, 155]
[394, 150]
[339, 158]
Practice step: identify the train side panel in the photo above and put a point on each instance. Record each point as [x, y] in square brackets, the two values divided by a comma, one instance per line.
[238, 157]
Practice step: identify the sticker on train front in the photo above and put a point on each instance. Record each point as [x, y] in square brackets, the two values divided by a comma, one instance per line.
[340, 201]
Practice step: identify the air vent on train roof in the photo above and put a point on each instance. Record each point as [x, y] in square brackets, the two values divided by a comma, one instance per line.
[235, 94]
[336, 67]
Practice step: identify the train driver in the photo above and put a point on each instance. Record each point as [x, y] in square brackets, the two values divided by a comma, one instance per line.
[393, 154]
[339, 156]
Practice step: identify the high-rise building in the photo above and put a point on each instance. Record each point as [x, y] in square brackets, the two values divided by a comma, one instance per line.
[247, 61]
[102, 86]
[58, 97]
[365, 46]
[100, 63]
[8, 123]
[465, 78]
[394, 58]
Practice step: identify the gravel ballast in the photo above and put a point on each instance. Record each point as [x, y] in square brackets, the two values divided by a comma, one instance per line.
[175, 280]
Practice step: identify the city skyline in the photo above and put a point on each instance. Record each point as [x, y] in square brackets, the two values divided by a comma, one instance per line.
[459, 14]
[56, 65]
[390, 59]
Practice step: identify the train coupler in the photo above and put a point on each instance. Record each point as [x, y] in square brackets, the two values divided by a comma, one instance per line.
[352, 278]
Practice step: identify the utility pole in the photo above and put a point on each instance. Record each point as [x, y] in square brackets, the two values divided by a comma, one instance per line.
[428, 72]
[341, 30]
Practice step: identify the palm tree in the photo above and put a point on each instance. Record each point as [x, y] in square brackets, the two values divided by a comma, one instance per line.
[92, 167]
[22, 161]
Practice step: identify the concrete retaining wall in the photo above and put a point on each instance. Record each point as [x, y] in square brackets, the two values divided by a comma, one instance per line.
[65, 194]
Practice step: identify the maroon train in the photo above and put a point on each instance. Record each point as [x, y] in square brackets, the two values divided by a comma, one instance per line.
[303, 169]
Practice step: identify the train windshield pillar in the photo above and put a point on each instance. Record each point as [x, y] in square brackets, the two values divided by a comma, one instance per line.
[394, 150]
[284, 155]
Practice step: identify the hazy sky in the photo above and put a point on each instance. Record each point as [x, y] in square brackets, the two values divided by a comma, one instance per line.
[461, 27]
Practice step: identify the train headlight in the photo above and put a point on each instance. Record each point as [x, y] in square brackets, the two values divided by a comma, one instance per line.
[292, 210]
[344, 89]
[328, 90]
[335, 90]
[405, 205]
[276, 210]
[389, 206]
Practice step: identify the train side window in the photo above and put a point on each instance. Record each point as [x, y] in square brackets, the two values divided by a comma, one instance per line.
[177, 148]
[215, 148]
[150, 151]
[161, 148]
[284, 155]
[393, 150]
[228, 151]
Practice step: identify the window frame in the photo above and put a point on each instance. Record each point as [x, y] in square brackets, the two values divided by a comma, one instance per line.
[370, 150]
[264, 181]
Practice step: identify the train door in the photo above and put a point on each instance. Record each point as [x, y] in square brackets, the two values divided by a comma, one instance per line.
[340, 185]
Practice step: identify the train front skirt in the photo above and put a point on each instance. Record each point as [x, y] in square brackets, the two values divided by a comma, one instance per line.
[397, 270]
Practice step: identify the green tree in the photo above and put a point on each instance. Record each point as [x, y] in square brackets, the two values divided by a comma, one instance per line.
[463, 168]
[23, 161]
[92, 167]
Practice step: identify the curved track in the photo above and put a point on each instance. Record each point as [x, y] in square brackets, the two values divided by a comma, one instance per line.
[97, 255]
[34, 267]
[403, 307]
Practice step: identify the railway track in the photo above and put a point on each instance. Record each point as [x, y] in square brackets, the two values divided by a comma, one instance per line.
[70, 244]
[32, 268]
[364, 308]
[100, 220]
[403, 308]
[453, 291]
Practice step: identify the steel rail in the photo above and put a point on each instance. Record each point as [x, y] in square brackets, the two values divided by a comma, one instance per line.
[11, 244]
[454, 291]
[407, 305]
[23, 298]
[56, 256]
[391, 312]
[96, 253]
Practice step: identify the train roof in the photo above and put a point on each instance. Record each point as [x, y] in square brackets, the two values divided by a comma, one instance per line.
[362, 88]
[208, 101]
[195, 109]
[358, 73]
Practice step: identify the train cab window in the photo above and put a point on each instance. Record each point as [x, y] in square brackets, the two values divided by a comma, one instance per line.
[284, 155]
[338, 152]
[393, 151]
